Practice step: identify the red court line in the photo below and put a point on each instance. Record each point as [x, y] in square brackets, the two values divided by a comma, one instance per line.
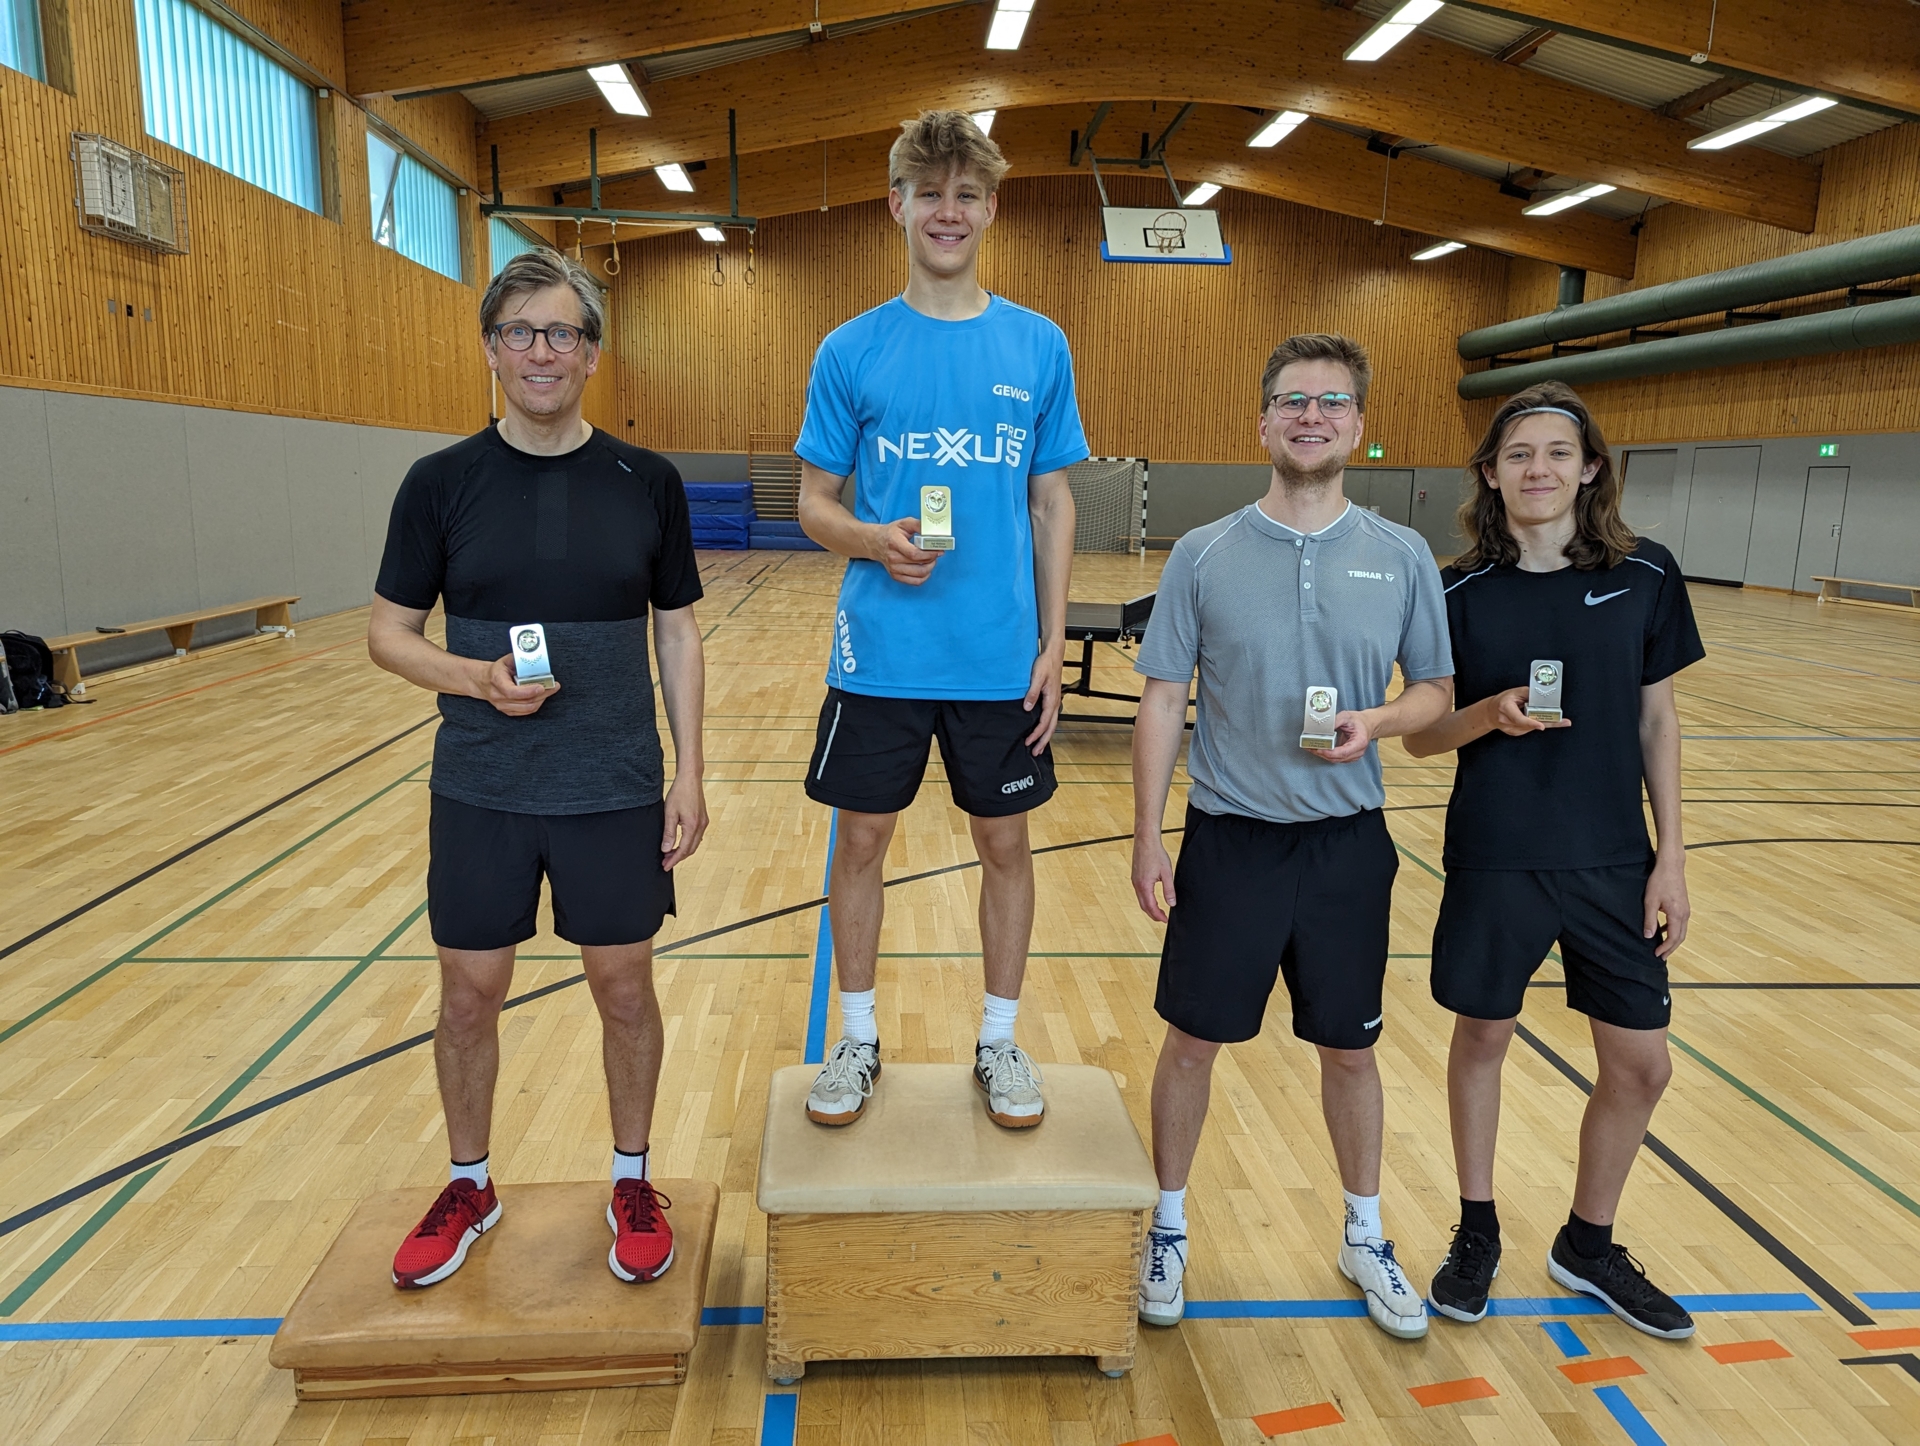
[1737, 1352]
[1300, 1418]
[1611, 1368]
[1879, 1340]
[1451, 1393]
[1161, 1440]
[94, 722]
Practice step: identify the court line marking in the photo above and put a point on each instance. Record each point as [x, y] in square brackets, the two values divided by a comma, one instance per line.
[1891, 1299]
[779, 1418]
[72, 1245]
[1523, 1307]
[212, 838]
[1638, 1428]
[816, 1036]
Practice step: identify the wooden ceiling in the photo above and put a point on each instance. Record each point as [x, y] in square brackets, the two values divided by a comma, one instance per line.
[834, 105]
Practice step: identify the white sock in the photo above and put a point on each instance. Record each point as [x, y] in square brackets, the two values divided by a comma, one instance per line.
[475, 1172]
[629, 1167]
[996, 1019]
[1171, 1212]
[856, 1016]
[1363, 1217]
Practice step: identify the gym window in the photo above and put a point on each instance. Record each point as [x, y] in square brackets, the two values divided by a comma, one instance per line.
[506, 241]
[213, 95]
[414, 211]
[20, 47]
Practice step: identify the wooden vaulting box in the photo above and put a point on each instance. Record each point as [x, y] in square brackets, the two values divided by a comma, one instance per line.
[924, 1229]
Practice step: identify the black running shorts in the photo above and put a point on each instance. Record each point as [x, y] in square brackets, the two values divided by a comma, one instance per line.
[1496, 925]
[1306, 901]
[484, 869]
[869, 754]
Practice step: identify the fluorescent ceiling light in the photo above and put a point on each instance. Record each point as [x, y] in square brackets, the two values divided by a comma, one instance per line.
[1398, 25]
[1566, 200]
[984, 119]
[1441, 249]
[1759, 125]
[1009, 24]
[710, 233]
[674, 177]
[1201, 194]
[1277, 129]
[616, 84]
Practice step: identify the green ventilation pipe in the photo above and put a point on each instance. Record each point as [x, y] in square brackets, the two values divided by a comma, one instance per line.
[1825, 268]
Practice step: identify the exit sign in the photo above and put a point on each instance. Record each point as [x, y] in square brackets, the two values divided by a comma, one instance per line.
[1375, 451]
[1829, 449]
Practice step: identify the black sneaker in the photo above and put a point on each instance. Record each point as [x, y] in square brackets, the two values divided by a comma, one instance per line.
[1619, 1282]
[1460, 1286]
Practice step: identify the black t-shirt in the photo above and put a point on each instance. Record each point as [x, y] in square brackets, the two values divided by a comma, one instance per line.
[1567, 798]
[583, 543]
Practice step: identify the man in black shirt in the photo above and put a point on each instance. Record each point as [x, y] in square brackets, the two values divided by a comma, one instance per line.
[543, 519]
[1545, 835]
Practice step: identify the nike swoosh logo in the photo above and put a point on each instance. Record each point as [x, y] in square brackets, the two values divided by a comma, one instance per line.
[1594, 602]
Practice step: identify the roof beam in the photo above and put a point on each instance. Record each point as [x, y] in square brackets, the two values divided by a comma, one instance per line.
[398, 46]
[1275, 54]
[1841, 47]
[1526, 47]
[1702, 96]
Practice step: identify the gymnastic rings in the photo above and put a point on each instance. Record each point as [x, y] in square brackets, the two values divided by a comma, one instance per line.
[579, 251]
[613, 256]
[719, 276]
[749, 277]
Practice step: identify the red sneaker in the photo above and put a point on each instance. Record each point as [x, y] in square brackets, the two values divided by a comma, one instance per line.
[438, 1245]
[642, 1238]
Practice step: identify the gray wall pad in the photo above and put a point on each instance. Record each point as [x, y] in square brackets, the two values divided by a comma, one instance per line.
[1184, 495]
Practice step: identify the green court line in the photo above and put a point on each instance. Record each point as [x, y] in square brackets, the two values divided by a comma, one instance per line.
[101, 973]
[1898, 1196]
[68, 1248]
[1420, 861]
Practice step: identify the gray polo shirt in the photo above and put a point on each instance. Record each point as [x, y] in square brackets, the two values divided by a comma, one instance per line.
[1264, 613]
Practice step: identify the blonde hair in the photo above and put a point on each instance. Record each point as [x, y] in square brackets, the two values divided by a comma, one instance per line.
[939, 143]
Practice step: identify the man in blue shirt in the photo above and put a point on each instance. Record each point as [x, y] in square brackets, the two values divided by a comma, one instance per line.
[945, 387]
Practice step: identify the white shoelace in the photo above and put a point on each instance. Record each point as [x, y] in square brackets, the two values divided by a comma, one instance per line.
[845, 1070]
[1010, 1070]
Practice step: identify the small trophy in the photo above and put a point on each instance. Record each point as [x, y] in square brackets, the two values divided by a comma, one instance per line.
[936, 520]
[1543, 689]
[530, 665]
[1319, 731]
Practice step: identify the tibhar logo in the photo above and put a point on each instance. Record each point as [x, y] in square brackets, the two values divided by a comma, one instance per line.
[1018, 785]
[1376, 576]
[1017, 393]
[959, 445]
[844, 636]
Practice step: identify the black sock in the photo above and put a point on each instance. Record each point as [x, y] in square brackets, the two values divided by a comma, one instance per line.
[1587, 1240]
[1480, 1217]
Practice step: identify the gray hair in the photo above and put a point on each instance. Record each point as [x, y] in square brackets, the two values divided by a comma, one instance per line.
[536, 270]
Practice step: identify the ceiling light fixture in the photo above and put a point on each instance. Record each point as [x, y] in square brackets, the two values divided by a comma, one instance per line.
[1277, 129]
[710, 233]
[1566, 200]
[674, 176]
[1009, 24]
[1201, 194]
[1436, 251]
[984, 119]
[616, 84]
[1759, 125]
[1399, 24]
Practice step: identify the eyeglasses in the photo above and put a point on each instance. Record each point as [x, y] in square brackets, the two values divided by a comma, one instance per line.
[518, 336]
[1333, 405]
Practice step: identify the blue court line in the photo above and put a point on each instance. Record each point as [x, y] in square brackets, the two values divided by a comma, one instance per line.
[1534, 1305]
[1638, 1428]
[1561, 1334]
[253, 1325]
[731, 1315]
[779, 1418]
[1890, 1299]
[822, 958]
[1794, 738]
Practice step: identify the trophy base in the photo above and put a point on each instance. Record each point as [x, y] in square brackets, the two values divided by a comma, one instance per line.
[545, 680]
[1319, 740]
[933, 544]
[1545, 715]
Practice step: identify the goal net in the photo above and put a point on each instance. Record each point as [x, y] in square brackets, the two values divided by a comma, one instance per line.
[1109, 503]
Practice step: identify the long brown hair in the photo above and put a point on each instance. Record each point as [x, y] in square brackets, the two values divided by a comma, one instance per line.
[1601, 538]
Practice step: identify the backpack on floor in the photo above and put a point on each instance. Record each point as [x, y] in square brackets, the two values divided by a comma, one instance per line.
[30, 663]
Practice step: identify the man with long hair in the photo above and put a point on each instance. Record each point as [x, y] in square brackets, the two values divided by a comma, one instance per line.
[946, 397]
[1545, 836]
[1286, 868]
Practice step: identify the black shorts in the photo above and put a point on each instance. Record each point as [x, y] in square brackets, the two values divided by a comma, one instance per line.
[1496, 925]
[869, 754]
[1309, 901]
[484, 868]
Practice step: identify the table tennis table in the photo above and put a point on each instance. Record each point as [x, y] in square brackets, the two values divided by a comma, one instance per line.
[1088, 623]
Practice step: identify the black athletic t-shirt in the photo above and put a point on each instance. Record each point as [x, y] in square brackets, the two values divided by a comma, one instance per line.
[1567, 798]
[583, 543]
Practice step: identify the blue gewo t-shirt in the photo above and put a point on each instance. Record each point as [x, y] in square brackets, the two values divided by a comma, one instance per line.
[900, 401]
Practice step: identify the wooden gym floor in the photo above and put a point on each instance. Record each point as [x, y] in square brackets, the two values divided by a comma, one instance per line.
[217, 981]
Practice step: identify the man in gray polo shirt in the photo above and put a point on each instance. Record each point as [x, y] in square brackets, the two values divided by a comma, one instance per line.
[1286, 867]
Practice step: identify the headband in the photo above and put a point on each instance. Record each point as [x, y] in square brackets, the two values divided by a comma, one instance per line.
[1529, 411]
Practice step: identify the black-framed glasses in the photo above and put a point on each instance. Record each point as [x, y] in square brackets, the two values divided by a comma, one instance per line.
[1333, 405]
[518, 336]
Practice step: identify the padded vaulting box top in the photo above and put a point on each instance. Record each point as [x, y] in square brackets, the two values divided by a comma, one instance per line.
[925, 1143]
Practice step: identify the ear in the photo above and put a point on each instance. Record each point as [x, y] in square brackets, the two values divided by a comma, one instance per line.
[593, 357]
[1589, 472]
[897, 204]
[993, 206]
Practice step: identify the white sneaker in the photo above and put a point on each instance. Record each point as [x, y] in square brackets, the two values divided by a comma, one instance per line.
[1163, 1269]
[841, 1089]
[1011, 1082]
[1392, 1303]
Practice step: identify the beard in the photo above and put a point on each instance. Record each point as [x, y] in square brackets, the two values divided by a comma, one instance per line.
[1296, 478]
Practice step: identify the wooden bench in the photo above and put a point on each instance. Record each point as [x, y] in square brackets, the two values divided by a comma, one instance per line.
[1832, 589]
[272, 617]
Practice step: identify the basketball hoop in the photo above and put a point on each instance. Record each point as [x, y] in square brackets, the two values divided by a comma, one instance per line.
[1168, 233]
